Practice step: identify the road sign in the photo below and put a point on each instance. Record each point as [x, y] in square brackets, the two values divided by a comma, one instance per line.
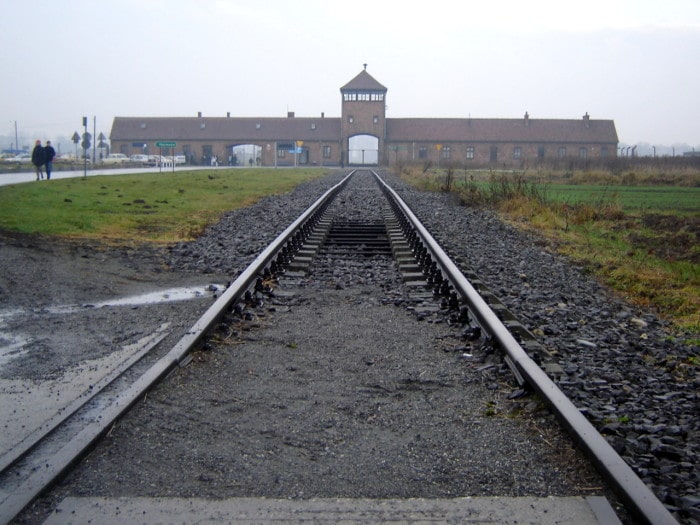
[165, 144]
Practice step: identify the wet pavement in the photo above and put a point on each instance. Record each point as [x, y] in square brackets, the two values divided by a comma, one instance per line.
[30, 175]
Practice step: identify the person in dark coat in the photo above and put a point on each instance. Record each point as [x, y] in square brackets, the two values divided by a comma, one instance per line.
[38, 160]
[49, 154]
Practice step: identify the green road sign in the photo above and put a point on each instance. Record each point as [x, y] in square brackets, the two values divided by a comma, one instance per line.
[165, 144]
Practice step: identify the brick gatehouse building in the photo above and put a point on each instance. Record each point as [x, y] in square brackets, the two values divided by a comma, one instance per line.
[364, 136]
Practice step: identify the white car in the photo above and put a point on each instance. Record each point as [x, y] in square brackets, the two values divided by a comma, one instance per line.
[177, 159]
[22, 158]
[143, 159]
[115, 158]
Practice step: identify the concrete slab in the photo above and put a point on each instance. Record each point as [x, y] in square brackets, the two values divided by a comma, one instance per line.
[484, 510]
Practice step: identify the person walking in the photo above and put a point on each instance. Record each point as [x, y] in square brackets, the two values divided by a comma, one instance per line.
[38, 160]
[49, 154]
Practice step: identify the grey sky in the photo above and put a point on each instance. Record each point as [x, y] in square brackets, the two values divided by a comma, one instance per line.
[635, 61]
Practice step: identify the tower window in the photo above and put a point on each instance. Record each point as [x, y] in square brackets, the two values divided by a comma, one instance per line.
[375, 119]
[351, 119]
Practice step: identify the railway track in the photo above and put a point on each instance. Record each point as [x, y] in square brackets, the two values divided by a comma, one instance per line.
[425, 268]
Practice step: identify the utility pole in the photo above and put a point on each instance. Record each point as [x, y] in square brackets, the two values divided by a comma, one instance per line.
[94, 134]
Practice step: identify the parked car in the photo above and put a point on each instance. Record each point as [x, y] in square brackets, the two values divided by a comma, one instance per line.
[22, 158]
[177, 159]
[142, 159]
[70, 158]
[158, 160]
[115, 158]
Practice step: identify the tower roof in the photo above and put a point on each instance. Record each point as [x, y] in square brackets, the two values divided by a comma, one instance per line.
[363, 82]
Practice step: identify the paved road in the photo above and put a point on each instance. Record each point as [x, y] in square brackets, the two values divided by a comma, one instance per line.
[30, 176]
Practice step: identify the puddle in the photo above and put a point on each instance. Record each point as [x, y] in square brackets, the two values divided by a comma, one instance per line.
[13, 346]
[165, 296]
[160, 296]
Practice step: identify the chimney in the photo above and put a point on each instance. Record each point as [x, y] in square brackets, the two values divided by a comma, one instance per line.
[323, 115]
[586, 119]
[290, 114]
[199, 114]
[228, 114]
[527, 119]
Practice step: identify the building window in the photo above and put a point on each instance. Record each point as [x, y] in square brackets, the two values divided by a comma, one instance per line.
[326, 152]
[604, 151]
[363, 97]
[470, 152]
[582, 153]
[351, 119]
[377, 97]
[540, 152]
[422, 152]
[562, 152]
[283, 148]
[445, 152]
[375, 119]
[517, 152]
[313, 125]
[349, 97]
[257, 125]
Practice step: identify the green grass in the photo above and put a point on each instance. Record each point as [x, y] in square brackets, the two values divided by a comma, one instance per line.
[638, 235]
[146, 207]
[632, 199]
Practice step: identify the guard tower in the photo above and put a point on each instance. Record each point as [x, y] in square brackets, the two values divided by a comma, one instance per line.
[363, 124]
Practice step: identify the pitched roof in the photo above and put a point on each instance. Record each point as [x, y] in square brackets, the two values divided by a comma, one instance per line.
[500, 130]
[363, 82]
[231, 129]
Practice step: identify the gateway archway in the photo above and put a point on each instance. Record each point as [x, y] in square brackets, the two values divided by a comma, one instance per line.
[247, 155]
[363, 150]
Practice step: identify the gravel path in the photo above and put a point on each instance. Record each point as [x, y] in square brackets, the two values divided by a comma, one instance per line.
[285, 407]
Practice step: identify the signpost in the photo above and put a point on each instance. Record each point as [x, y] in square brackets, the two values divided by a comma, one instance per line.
[166, 144]
[297, 151]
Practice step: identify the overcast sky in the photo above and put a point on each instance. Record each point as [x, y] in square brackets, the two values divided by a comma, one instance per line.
[636, 62]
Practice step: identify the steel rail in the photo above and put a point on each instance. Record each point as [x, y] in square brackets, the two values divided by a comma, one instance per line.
[12, 502]
[624, 481]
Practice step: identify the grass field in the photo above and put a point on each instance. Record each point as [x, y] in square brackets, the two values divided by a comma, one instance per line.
[149, 207]
[632, 199]
[638, 234]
